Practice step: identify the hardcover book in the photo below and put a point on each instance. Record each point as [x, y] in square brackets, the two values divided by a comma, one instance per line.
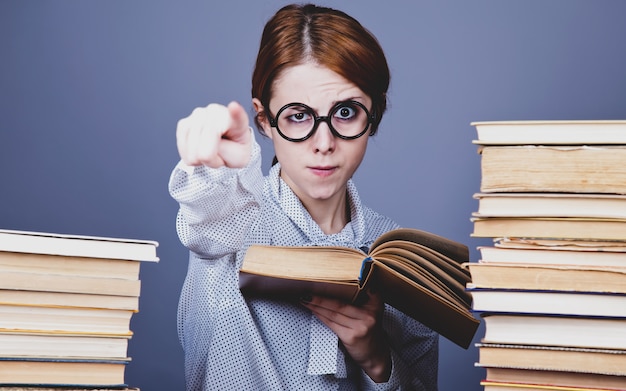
[564, 132]
[554, 378]
[548, 302]
[555, 330]
[562, 252]
[554, 169]
[415, 271]
[548, 277]
[599, 361]
[62, 372]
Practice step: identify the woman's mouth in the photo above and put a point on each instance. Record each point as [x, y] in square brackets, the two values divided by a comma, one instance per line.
[323, 171]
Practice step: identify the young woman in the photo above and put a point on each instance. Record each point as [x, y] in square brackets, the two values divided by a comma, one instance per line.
[319, 91]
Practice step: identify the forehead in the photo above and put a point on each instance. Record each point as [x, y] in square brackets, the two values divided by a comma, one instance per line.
[314, 85]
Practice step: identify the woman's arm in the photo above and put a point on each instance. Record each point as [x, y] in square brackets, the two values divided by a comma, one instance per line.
[216, 206]
[218, 183]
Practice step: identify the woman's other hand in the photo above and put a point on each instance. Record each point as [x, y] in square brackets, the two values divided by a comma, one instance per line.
[359, 329]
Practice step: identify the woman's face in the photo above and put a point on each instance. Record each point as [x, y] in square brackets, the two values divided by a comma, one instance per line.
[318, 168]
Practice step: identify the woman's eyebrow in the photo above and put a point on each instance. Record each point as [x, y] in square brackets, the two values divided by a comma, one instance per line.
[357, 98]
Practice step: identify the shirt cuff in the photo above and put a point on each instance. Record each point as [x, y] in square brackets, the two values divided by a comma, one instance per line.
[185, 167]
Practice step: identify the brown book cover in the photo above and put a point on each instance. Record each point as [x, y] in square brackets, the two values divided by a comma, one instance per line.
[415, 271]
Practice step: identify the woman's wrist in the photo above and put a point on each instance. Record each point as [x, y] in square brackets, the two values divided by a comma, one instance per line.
[379, 368]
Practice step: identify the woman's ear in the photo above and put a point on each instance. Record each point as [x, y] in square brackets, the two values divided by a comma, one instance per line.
[261, 119]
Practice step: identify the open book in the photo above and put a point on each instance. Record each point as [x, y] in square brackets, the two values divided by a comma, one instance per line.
[417, 272]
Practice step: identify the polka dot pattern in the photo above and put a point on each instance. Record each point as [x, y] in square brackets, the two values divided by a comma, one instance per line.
[236, 343]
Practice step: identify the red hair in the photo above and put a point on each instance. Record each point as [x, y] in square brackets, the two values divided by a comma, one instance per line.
[331, 38]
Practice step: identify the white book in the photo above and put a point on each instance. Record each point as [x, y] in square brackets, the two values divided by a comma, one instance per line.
[77, 245]
[548, 302]
[550, 132]
[608, 333]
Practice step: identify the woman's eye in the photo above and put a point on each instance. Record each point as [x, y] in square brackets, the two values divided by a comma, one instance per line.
[345, 112]
[299, 117]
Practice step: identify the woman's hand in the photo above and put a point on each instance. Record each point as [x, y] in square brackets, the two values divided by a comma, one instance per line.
[215, 136]
[359, 329]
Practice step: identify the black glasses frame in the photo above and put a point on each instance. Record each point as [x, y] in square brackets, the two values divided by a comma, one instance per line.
[322, 118]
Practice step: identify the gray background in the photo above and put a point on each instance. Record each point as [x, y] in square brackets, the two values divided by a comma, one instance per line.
[90, 92]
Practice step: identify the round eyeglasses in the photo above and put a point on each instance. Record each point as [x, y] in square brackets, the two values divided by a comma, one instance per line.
[297, 122]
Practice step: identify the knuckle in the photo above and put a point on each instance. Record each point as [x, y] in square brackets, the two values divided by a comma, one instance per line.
[361, 331]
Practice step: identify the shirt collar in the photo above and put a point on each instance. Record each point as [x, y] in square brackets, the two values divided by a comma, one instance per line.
[352, 234]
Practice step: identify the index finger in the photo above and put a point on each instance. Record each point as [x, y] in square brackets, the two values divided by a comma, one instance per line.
[239, 125]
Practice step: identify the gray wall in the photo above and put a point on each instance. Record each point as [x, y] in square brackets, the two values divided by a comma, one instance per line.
[90, 92]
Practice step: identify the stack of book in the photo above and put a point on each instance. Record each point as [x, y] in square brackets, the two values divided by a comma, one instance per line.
[552, 287]
[66, 302]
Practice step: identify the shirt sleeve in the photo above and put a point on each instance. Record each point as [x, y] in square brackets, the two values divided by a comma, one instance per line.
[216, 205]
